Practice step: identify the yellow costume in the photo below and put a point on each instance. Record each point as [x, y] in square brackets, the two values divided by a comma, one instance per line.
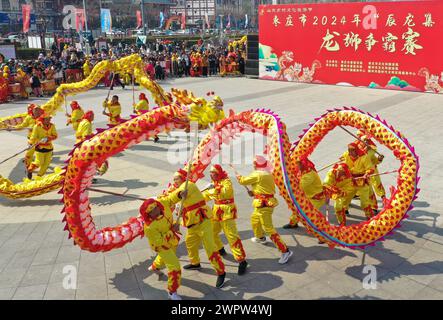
[224, 213]
[84, 129]
[141, 107]
[263, 188]
[115, 111]
[28, 122]
[340, 188]
[164, 241]
[359, 167]
[43, 150]
[86, 69]
[312, 186]
[195, 216]
[76, 118]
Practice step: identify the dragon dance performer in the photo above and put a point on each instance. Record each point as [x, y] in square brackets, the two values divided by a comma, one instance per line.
[339, 186]
[142, 107]
[76, 116]
[263, 190]
[195, 217]
[360, 166]
[84, 128]
[311, 185]
[42, 135]
[163, 239]
[375, 181]
[34, 112]
[224, 214]
[115, 110]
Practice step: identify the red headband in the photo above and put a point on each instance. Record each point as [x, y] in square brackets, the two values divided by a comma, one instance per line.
[142, 96]
[146, 206]
[344, 167]
[181, 173]
[260, 162]
[354, 145]
[75, 105]
[221, 174]
[88, 115]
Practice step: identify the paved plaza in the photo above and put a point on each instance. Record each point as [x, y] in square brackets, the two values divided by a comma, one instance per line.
[34, 249]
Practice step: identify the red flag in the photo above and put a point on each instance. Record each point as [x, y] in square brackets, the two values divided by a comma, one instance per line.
[79, 19]
[26, 12]
[139, 19]
[183, 21]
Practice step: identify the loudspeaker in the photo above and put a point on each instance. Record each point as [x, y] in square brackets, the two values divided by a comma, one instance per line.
[251, 66]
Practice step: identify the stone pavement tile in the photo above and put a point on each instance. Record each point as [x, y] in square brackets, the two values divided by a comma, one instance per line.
[46, 255]
[37, 275]
[294, 279]
[399, 286]
[384, 259]
[129, 295]
[434, 244]
[117, 262]
[7, 293]
[429, 294]
[318, 269]
[53, 239]
[358, 271]
[287, 296]
[92, 288]
[68, 254]
[343, 283]
[432, 259]
[57, 274]
[5, 257]
[122, 281]
[22, 259]
[437, 283]
[154, 293]
[91, 269]
[55, 291]
[318, 290]
[418, 272]
[375, 294]
[337, 258]
[30, 293]
[11, 277]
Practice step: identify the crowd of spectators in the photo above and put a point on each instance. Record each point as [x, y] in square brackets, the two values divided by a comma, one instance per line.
[163, 59]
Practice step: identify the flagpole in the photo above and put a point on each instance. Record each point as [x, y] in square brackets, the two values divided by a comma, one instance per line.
[86, 16]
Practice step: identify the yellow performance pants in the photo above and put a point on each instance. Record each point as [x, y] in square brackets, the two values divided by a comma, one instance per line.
[293, 220]
[42, 161]
[261, 221]
[229, 227]
[364, 192]
[197, 234]
[168, 259]
[29, 155]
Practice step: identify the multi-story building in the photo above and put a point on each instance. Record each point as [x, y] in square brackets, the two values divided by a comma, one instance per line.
[195, 11]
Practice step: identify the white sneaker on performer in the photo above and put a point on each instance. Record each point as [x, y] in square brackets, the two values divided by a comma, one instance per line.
[154, 270]
[259, 240]
[174, 296]
[285, 257]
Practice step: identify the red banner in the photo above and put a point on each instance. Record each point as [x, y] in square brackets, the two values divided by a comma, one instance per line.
[139, 19]
[377, 45]
[80, 19]
[183, 24]
[26, 12]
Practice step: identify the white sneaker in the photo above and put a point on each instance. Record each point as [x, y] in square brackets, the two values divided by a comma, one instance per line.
[174, 296]
[157, 272]
[285, 257]
[259, 240]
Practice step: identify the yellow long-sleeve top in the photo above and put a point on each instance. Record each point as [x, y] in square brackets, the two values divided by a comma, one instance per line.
[263, 187]
[76, 117]
[84, 129]
[223, 195]
[115, 111]
[373, 156]
[159, 231]
[360, 166]
[194, 210]
[28, 122]
[338, 188]
[39, 132]
[311, 184]
[141, 106]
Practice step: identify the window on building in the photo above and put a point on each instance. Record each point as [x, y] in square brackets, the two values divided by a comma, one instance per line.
[6, 5]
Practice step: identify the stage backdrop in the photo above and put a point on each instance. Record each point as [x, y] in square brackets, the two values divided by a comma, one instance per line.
[379, 45]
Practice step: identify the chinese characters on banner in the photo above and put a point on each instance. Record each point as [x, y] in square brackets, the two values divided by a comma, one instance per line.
[377, 45]
[80, 19]
[106, 20]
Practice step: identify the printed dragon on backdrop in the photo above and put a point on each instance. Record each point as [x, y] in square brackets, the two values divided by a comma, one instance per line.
[179, 107]
[87, 157]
